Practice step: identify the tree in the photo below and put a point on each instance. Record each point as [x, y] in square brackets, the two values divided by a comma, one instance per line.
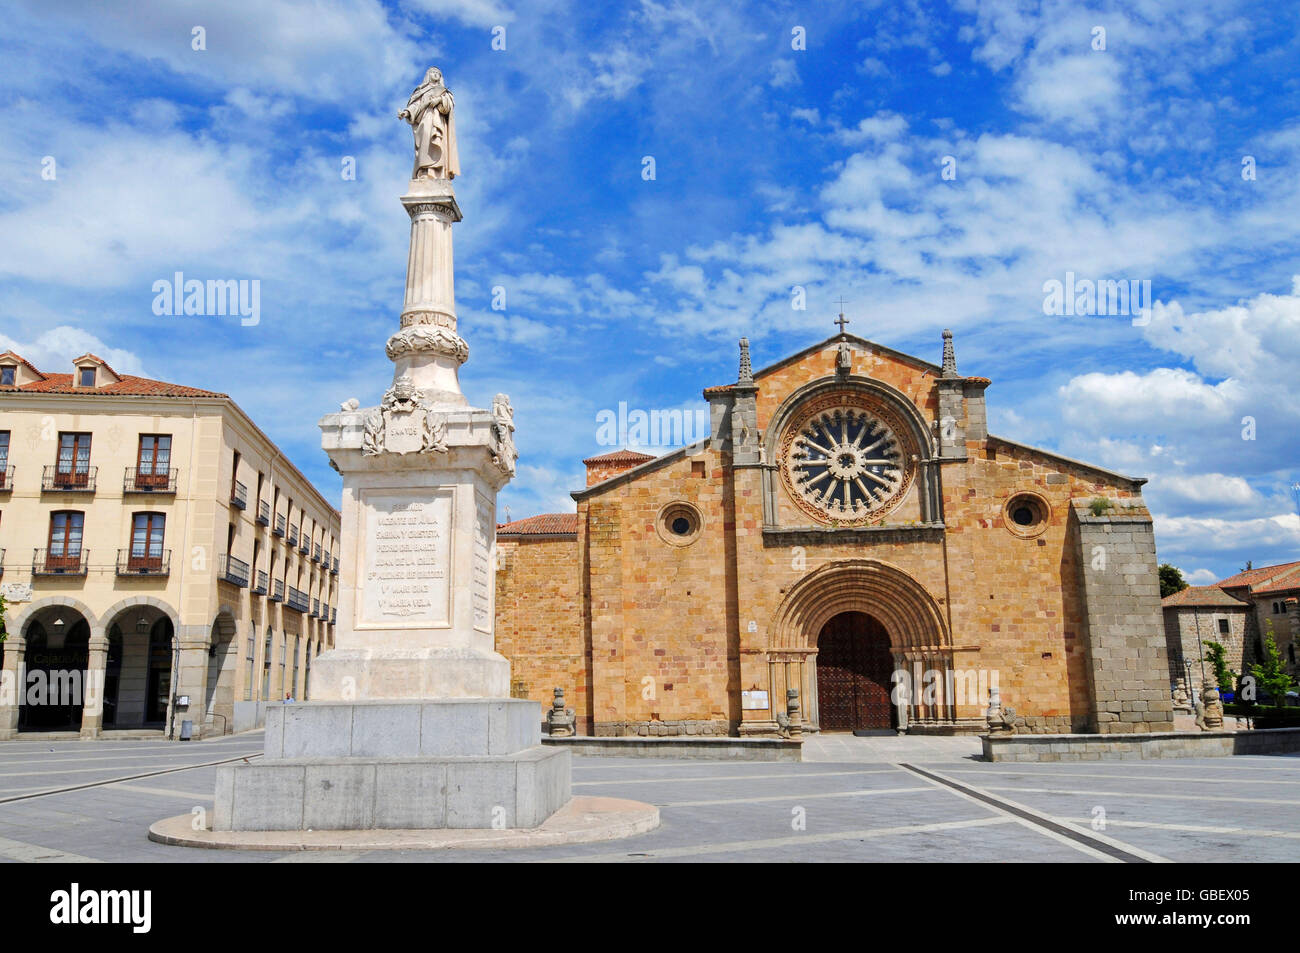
[1272, 674]
[1171, 580]
[1217, 656]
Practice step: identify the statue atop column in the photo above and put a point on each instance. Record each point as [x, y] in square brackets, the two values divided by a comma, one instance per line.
[430, 113]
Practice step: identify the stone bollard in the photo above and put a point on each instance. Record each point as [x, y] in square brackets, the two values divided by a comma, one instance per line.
[1181, 702]
[560, 720]
[792, 713]
[1210, 712]
[1001, 721]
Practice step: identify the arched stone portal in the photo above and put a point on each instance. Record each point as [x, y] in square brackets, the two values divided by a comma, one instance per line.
[854, 674]
[55, 689]
[918, 636]
[219, 697]
[138, 670]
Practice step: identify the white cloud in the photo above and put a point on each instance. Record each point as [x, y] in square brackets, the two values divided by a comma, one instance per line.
[52, 351]
[783, 73]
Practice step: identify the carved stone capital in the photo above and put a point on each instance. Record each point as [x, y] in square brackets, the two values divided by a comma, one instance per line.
[447, 209]
[424, 337]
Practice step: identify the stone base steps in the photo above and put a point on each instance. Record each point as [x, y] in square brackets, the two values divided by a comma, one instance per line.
[1140, 746]
[679, 746]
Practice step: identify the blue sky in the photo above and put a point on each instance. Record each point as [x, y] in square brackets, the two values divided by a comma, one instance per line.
[775, 167]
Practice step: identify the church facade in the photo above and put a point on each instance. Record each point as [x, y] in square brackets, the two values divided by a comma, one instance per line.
[848, 532]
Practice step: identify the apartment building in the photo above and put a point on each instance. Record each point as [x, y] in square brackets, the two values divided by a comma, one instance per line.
[166, 569]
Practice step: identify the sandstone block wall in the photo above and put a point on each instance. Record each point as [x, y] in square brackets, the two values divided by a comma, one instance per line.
[1128, 664]
[539, 621]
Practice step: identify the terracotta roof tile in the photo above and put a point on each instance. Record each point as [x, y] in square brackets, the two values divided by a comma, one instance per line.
[127, 386]
[1203, 596]
[620, 456]
[1282, 582]
[1256, 577]
[544, 524]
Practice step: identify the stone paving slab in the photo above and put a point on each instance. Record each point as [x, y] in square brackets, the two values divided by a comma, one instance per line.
[864, 807]
[583, 820]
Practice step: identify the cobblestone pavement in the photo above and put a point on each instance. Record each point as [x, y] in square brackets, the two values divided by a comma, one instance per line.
[875, 799]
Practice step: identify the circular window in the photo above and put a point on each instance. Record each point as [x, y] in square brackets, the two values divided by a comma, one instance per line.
[845, 461]
[1026, 515]
[679, 524]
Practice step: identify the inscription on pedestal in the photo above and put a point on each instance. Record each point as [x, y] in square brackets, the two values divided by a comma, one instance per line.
[407, 559]
[482, 580]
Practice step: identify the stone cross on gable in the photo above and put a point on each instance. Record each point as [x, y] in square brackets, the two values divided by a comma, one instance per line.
[842, 320]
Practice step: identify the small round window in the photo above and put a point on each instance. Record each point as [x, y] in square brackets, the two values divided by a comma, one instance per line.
[1026, 514]
[679, 524]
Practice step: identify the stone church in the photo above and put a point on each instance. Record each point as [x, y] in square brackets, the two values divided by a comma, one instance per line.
[850, 530]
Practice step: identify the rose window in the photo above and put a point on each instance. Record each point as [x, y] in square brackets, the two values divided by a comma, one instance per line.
[844, 463]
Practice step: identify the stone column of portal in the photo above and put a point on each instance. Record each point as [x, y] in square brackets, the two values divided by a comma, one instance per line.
[92, 709]
[11, 685]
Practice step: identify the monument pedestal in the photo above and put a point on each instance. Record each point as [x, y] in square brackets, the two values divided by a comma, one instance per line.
[408, 725]
[428, 765]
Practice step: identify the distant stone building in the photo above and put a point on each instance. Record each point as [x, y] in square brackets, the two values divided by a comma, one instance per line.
[848, 529]
[1195, 616]
[1273, 596]
[155, 545]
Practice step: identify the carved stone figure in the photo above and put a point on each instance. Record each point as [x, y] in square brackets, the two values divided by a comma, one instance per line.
[349, 405]
[430, 111]
[1000, 719]
[372, 437]
[504, 455]
[433, 433]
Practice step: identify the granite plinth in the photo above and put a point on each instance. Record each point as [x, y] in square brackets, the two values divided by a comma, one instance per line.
[458, 672]
[519, 790]
[461, 763]
[411, 729]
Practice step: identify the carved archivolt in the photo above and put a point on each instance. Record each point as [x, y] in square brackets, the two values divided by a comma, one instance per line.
[425, 337]
[901, 604]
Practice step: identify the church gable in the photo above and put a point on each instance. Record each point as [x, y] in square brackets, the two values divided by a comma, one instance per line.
[910, 376]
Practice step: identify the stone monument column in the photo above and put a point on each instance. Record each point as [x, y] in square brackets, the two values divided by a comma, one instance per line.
[407, 721]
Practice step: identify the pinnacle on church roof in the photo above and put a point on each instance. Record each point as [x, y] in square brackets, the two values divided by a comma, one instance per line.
[746, 375]
[949, 356]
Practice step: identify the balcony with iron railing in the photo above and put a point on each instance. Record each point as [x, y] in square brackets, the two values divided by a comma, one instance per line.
[315, 553]
[262, 580]
[304, 545]
[293, 536]
[45, 564]
[149, 480]
[279, 526]
[6, 479]
[315, 608]
[298, 600]
[263, 513]
[58, 478]
[239, 496]
[335, 568]
[334, 615]
[136, 562]
[277, 592]
[232, 570]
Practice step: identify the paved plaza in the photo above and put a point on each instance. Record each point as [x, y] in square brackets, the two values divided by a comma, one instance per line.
[852, 799]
